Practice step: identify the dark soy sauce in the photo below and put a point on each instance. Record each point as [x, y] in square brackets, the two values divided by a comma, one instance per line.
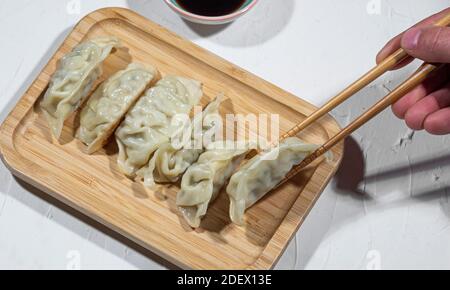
[211, 7]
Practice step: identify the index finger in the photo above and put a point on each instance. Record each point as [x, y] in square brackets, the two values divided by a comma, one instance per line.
[394, 43]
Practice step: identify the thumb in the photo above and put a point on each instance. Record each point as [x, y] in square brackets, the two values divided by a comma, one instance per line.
[431, 44]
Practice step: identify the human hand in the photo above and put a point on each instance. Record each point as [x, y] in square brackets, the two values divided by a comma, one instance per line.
[427, 106]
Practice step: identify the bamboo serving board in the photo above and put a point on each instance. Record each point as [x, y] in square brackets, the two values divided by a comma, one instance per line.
[93, 185]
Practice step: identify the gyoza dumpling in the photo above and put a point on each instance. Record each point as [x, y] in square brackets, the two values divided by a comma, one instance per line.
[169, 163]
[262, 173]
[202, 181]
[110, 102]
[73, 79]
[149, 123]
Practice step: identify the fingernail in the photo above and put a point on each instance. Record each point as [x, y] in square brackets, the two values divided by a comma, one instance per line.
[410, 39]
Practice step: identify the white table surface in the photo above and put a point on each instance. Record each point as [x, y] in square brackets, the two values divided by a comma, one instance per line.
[388, 207]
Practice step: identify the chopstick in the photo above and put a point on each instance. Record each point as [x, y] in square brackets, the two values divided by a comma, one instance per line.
[389, 63]
[419, 76]
[386, 65]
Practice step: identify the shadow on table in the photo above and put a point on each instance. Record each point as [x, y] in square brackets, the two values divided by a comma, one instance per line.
[424, 192]
[263, 22]
[402, 170]
[348, 182]
[317, 224]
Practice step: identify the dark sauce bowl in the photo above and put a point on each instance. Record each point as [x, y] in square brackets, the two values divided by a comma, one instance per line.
[230, 13]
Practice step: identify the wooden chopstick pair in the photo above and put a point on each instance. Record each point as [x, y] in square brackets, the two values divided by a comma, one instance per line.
[389, 63]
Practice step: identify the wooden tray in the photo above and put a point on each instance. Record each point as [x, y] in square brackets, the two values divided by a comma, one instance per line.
[94, 186]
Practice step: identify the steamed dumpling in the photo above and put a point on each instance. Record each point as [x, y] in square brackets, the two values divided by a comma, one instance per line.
[110, 102]
[74, 78]
[169, 163]
[203, 181]
[148, 124]
[262, 173]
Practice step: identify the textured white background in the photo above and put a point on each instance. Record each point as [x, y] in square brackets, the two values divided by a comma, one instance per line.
[388, 207]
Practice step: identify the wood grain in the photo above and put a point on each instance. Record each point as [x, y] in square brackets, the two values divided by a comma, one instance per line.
[94, 186]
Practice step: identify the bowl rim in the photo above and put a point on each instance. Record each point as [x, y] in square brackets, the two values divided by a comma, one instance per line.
[212, 18]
